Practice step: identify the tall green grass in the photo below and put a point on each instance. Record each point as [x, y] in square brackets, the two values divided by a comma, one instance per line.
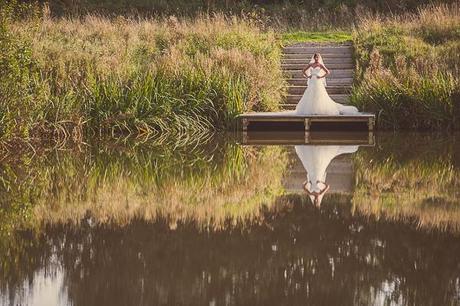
[408, 68]
[91, 76]
[308, 15]
[320, 37]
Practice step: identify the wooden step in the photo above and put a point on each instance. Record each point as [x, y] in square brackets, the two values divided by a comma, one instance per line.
[330, 81]
[300, 66]
[303, 61]
[339, 98]
[337, 73]
[298, 90]
[325, 50]
[288, 106]
[326, 57]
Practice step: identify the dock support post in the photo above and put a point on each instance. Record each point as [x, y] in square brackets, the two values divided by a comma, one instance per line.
[371, 123]
[245, 137]
[307, 137]
[371, 139]
[307, 124]
[245, 123]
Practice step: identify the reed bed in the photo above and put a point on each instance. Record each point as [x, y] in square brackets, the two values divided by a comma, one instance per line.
[408, 68]
[310, 15]
[90, 76]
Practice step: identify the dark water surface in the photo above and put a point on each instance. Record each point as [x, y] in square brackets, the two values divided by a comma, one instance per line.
[222, 223]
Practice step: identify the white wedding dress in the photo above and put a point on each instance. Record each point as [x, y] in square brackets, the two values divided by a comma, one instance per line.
[315, 159]
[316, 101]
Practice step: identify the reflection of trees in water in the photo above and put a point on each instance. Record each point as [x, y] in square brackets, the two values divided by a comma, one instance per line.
[300, 255]
[411, 178]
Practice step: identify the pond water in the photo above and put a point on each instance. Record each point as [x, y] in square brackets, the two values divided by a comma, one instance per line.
[230, 222]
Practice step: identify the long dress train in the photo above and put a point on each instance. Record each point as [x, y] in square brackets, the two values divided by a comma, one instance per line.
[316, 101]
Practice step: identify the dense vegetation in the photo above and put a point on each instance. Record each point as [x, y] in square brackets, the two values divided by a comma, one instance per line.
[279, 14]
[73, 78]
[94, 76]
[408, 68]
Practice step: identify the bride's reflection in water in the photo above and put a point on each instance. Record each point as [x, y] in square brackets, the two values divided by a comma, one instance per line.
[316, 159]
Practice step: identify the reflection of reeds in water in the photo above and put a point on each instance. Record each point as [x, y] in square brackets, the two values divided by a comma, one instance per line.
[213, 190]
[422, 188]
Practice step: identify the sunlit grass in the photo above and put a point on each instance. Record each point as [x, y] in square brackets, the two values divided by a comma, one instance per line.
[408, 68]
[101, 76]
[320, 37]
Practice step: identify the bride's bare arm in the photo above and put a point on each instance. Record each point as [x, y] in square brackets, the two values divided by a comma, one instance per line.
[304, 70]
[326, 70]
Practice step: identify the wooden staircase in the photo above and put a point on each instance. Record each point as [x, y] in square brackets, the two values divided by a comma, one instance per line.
[338, 58]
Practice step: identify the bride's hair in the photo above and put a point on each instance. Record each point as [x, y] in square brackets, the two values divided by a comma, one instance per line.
[320, 60]
[315, 196]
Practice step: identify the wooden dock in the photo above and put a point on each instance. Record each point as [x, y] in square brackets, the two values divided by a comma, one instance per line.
[338, 58]
[291, 121]
[285, 138]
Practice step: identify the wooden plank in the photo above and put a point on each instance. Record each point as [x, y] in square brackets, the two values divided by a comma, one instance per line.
[329, 66]
[288, 106]
[326, 57]
[304, 61]
[306, 138]
[288, 116]
[277, 119]
[331, 89]
[338, 73]
[339, 98]
[330, 81]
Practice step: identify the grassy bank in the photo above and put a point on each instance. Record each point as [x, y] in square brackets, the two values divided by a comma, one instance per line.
[309, 15]
[87, 76]
[292, 37]
[93, 76]
[408, 68]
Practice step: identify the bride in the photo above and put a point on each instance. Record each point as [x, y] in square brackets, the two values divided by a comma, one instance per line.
[315, 100]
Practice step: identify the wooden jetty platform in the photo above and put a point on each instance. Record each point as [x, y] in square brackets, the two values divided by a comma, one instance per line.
[338, 58]
[290, 138]
[292, 121]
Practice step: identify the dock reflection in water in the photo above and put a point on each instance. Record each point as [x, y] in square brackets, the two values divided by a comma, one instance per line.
[233, 226]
